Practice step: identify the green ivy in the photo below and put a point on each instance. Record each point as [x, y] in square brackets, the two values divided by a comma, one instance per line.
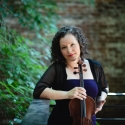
[20, 69]
[37, 17]
[98, 123]
[34, 14]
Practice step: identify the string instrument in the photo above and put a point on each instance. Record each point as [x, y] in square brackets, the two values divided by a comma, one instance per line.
[82, 110]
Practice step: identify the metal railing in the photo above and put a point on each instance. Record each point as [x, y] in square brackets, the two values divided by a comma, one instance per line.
[116, 94]
[113, 106]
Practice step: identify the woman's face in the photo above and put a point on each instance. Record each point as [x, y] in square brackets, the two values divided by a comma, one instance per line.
[70, 48]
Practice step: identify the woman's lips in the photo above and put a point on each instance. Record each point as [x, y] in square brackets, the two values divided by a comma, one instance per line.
[70, 55]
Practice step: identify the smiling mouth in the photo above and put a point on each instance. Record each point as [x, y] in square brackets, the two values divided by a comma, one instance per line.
[70, 55]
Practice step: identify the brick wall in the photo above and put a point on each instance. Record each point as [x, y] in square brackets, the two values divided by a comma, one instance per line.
[104, 25]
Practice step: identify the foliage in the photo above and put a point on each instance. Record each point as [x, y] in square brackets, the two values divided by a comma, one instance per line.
[20, 68]
[97, 123]
[21, 65]
[37, 15]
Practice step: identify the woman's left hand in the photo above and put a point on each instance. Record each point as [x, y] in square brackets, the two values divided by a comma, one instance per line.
[99, 106]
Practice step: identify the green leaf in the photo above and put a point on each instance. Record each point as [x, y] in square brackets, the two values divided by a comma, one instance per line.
[10, 81]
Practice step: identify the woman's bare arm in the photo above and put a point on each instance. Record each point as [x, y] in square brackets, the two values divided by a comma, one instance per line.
[77, 92]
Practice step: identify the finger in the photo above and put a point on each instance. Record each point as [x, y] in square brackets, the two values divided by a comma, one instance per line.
[97, 110]
[78, 97]
[104, 101]
[81, 97]
[81, 88]
[82, 92]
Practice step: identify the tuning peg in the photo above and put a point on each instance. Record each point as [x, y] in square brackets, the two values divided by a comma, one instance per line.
[75, 67]
[84, 65]
[85, 70]
[75, 72]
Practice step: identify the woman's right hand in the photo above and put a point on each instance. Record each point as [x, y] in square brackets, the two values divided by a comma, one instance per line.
[77, 92]
[99, 106]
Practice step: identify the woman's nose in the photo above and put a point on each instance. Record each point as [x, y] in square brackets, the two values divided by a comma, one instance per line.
[69, 50]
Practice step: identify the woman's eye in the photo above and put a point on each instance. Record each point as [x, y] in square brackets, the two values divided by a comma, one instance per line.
[72, 44]
[63, 47]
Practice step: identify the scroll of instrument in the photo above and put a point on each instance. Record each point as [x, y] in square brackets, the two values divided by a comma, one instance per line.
[82, 110]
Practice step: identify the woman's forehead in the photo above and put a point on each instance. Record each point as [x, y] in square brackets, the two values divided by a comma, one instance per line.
[67, 39]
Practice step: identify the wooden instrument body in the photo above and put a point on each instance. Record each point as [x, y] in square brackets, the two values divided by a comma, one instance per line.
[75, 111]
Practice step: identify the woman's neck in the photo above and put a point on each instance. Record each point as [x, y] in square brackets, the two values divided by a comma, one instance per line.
[72, 64]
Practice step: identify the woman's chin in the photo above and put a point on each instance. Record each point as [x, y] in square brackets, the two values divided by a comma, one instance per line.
[73, 59]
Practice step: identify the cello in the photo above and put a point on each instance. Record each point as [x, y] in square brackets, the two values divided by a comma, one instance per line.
[82, 110]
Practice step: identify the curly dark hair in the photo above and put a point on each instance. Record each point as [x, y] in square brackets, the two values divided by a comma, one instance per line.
[55, 48]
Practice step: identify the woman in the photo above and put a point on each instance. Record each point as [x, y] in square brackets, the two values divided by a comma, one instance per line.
[59, 82]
